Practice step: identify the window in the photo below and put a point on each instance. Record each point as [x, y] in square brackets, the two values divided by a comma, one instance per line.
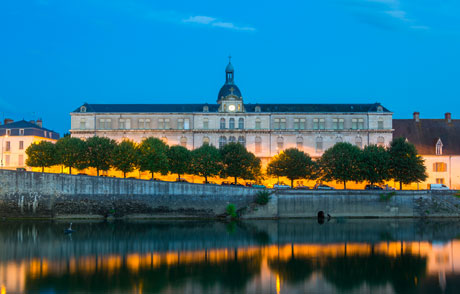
[258, 124]
[8, 132]
[296, 123]
[315, 124]
[257, 109]
[205, 140]
[232, 139]
[167, 125]
[241, 123]
[283, 123]
[354, 123]
[379, 108]
[183, 142]
[83, 109]
[7, 160]
[180, 124]
[108, 124]
[242, 140]
[339, 140]
[161, 123]
[231, 123]
[205, 123]
[222, 141]
[222, 123]
[276, 124]
[319, 124]
[124, 124]
[303, 124]
[186, 124]
[337, 123]
[440, 181]
[359, 142]
[381, 141]
[141, 124]
[147, 124]
[299, 124]
[21, 132]
[439, 167]
[258, 144]
[45, 133]
[82, 124]
[299, 143]
[205, 108]
[360, 123]
[439, 147]
[101, 123]
[20, 160]
[8, 146]
[280, 144]
[21, 145]
[380, 124]
[319, 144]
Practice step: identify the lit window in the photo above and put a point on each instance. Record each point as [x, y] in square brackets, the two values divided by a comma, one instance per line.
[258, 144]
[241, 123]
[205, 140]
[439, 167]
[8, 132]
[21, 145]
[440, 181]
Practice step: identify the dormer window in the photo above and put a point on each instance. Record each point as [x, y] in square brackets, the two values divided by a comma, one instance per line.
[83, 109]
[205, 108]
[439, 147]
[379, 108]
[257, 109]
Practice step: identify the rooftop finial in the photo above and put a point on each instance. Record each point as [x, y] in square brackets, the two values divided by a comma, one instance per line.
[230, 58]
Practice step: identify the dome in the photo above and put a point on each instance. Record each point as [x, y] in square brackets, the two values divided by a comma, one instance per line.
[229, 89]
[229, 68]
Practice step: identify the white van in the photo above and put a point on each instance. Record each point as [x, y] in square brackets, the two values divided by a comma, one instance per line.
[438, 187]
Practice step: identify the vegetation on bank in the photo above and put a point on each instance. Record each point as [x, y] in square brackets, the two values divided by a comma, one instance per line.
[343, 162]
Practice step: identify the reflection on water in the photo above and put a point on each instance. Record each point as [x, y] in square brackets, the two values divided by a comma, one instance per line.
[288, 256]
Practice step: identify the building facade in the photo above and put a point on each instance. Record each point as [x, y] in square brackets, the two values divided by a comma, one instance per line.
[438, 142]
[17, 136]
[265, 129]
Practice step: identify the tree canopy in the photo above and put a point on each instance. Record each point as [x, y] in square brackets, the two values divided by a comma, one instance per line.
[41, 154]
[206, 161]
[341, 163]
[239, 163]
[100, 151]
[72, 153]
[292, 164]
[375, 164]
[179, 159]
[125, 157]
[405, 165]
[153, 156]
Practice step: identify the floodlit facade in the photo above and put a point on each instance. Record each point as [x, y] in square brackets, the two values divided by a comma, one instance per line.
[16, 137]
[265, 129]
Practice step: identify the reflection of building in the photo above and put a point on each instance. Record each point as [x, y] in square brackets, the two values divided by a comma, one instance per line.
[265, 129]
[17, 136]
[438, 141]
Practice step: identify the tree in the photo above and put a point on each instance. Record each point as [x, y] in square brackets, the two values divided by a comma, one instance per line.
[341, 163]
[72, 153]
[292, 164]
[125, 157]
[179, 160]
[153, 156]
[405, 165]
[100, 150]
[239, 163]
[206, 161]
[375, 164]
[41, 154]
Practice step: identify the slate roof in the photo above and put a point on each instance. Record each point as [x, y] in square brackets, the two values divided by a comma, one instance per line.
[227, 90]
[30, 129]
[425, 134]
[191, 108]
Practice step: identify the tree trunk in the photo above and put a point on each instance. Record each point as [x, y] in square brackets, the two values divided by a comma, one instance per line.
[70, 170]
[124, 175]
[152, 175]
[344, 185]
[400, 185]
[205, 179]
[236, 182]
[97, 171]
[43, 169]
[292, 183]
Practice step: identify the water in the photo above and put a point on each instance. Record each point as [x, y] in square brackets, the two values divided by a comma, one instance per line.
[287, 256]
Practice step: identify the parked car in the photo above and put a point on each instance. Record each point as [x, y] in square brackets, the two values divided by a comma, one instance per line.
[373, 187]
[209, 183]
[323, 187]
[302, 187]
[438, 187]
[237, 184]
[258, 186]
[82, 174]
[181, 180]
[225, 183]
[281, 186]
[21, 169]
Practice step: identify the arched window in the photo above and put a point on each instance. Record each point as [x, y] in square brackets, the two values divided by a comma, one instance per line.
[205, 108]
[231, 125]
[319, 145]
[242, 140]
[359, 142]
[258, 124]
[205, 140]
[257, 109]
[183, 141]
[83, 109]
[299, 143]
[222, 141]
[379, 108]
[381, 141]
[439, 147]
[232, 139]
[222, 123]
[339, 140]
[241, 123]
[280, 143]
[258, 144]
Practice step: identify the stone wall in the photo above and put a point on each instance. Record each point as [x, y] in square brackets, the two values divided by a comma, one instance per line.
[29, 194]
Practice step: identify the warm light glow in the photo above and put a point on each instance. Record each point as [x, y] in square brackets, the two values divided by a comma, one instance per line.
[278, 285]
[3, 290]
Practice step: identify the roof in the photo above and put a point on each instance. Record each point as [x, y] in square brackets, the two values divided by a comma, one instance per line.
[192, 108]
[229, 89]
[425, 134]
[30, 129]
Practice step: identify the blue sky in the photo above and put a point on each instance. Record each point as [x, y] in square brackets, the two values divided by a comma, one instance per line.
[55, 54]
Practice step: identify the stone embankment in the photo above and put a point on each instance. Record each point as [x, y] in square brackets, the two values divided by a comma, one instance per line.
[41, 195]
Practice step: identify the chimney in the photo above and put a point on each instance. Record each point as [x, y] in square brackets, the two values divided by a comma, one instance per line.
[40, 122]
[417, 116]
[448, 117]
[8, 121]
[32, 122]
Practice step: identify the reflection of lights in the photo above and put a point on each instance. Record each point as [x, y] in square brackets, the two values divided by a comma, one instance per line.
[278, 285]
[3, 290]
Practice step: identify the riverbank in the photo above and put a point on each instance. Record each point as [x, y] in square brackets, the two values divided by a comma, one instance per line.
[41, 195]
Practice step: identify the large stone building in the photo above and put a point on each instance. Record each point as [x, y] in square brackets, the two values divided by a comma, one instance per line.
[438, 142]
[17, 136]
[265, 129]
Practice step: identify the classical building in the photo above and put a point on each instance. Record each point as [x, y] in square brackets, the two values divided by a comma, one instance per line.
[438, 142]
[265, 129]
[17, 136]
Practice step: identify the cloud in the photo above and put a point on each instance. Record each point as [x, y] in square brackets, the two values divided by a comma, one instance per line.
[214, 22]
